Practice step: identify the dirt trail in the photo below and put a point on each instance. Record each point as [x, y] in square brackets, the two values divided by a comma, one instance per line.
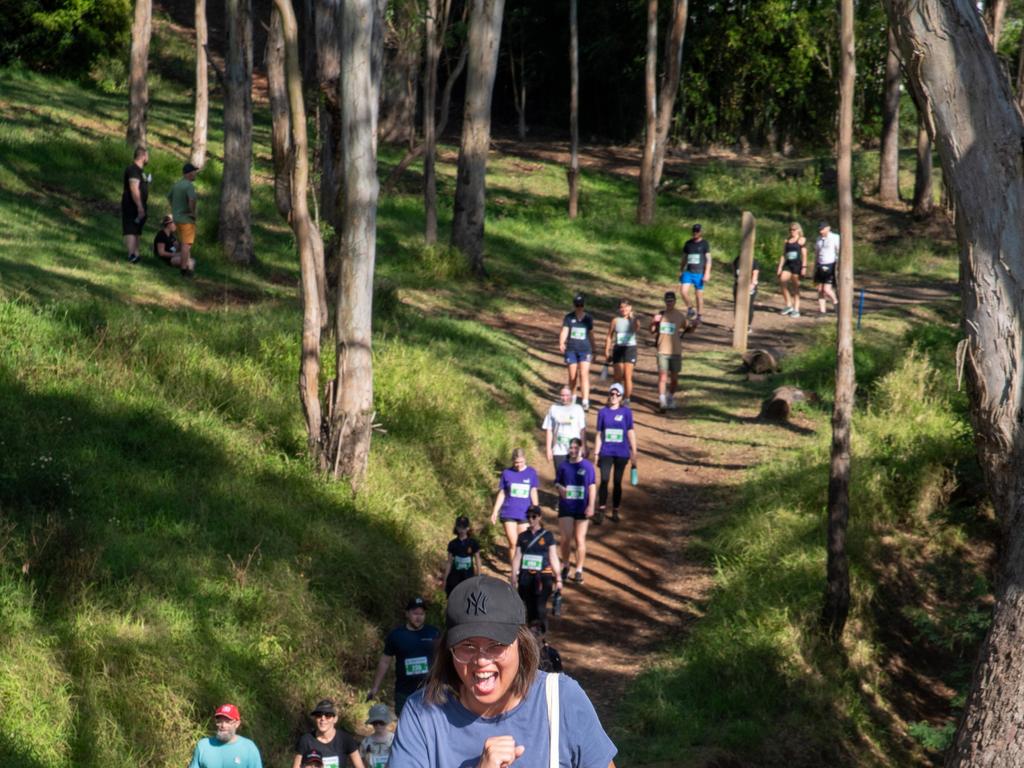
[648, 576]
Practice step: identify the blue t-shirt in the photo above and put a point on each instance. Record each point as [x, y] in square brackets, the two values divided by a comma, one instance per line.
[450, 736]
[614, 426]
[579, 332]
[517, 486]
[414, 653]
[240, 753]
[576, 479]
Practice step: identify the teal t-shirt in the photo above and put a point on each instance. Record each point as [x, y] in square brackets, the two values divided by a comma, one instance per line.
[181, 192]
[240, 753]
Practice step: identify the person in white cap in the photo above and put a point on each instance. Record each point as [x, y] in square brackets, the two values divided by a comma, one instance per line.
[226, 748]
[615, 446]
[375, 749]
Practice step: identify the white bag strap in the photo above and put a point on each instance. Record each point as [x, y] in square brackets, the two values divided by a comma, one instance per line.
[551, 690]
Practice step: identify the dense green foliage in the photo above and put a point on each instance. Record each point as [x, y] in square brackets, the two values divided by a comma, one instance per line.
[64, 35]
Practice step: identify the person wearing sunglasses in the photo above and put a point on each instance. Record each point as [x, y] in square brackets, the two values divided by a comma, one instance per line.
[615, 446]
[332, 744]
[536, 571]
[486, 703]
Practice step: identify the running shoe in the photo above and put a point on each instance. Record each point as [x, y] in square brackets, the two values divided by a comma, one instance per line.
[625, 401]
[787, 311]
[586, 405]
[133, 258]
[615, 515]
[671, 402]
[578, 577]
[565, 572]
[691, 312]
[794, 313]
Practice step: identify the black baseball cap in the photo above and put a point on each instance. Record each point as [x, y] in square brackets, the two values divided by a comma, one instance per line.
[822, 224]
[325, 707]
[416, 602]
[697, 227]
[462, 521]
[535, 511]
[188, 168]
[578, 300]
[484, 606]
[670, 295]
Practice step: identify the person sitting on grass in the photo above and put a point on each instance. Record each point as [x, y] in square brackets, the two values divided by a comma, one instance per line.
[165, 244]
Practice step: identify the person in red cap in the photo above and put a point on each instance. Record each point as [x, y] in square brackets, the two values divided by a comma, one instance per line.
[226, 749]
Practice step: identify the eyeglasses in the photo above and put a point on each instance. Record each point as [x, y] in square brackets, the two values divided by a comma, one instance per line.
[614, 394]
[323, 716]
[466, 654]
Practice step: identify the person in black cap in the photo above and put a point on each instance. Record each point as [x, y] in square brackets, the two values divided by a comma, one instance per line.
[326, 742]
[134, 197]
[536, 571]
[695, 270]
[485, 703]
[182, 198]
[412, 646]
[463, 556]
[576, 343]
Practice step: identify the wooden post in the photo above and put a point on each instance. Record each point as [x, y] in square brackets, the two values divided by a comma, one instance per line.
[748, 230]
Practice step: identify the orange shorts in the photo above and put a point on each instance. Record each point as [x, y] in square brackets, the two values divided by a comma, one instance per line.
[187, 233]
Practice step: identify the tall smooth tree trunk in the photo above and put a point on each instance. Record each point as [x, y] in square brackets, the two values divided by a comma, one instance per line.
[954, 71]
[836, 606]
[351, 416]
[518, 88]
[574, 111]
[647, 201]
[889, 156]
[305, 234]
[202, 102]
[435, 26]
[236, 186]
[138, 70]
[923, 171]
[471, 177]
[280, 114]
[328, 69]
[995, 13]
[669, 84]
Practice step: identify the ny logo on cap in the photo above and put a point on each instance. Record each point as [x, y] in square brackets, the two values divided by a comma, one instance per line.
[476, 603]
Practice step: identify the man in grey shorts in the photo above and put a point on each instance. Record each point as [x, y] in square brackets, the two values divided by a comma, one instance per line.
[668, 327]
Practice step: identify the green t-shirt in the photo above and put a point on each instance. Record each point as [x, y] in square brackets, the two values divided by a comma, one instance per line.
[181, 192]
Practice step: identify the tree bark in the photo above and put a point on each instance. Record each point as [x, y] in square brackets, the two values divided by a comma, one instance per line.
[351, 416]
[995, 13]
[305, 233]
[669, 84]
[647, 201]
[836, 606]
[236, 186]
[1020, 72]
[202, 103]
[280, 128]
[138, 69]
[435, 26]
[328, 69]
[574, 110]
[518, 87]
[401, 74]
[471, 182]
[889, 156]
[923, 171]
[978, 132]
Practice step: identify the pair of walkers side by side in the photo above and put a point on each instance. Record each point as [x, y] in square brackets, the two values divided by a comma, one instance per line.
[536, 570]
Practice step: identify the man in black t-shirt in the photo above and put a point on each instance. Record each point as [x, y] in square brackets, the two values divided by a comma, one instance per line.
[695, 270]
[134, 196]
[412, 646]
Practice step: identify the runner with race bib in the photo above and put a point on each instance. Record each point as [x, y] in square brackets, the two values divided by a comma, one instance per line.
[615, 446]
[826, 254]
[576, 484]
[536, 568]
[335, 747]
[375, 749]
[620, 345]
[576, 343]
[411, 646]
[517, 492]
[463, 556]
[668, 327]
[564, 422]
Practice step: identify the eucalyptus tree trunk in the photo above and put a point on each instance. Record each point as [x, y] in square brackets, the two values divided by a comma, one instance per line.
[889, 156]
[435, 26]
[954, 71]
[305, 234]
[574, 110]
[471, 183]
[351, 412]
[646, 203]
[995, 14]
[669, 85]
[202, 102]
[519, 86]
[327, 34]
[923, 170]
[280, 127]
[836, 606]
[138, 69]
[236, 186]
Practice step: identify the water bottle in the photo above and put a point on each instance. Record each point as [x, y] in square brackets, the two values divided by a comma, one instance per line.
[634, 478]
[556, 604]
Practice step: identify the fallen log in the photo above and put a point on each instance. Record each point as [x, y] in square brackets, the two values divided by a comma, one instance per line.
[779, 406]
[761, 361]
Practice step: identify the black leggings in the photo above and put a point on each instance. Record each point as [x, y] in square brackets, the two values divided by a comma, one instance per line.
[535, 589]
[750, 311]
[606, 463]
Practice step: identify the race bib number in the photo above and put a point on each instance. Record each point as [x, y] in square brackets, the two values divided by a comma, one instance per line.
[574, 492]
[613, 435]
[462, 563]
[625, 339]
[693, 258]
[667, 329]
[519, 490]
[791, 255]
[563, 442]
[334, 761]
[417, 665]
[378, 761]
[533, 562]
[578, 332]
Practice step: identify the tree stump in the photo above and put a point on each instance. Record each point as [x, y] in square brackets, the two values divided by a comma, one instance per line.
[761, 361]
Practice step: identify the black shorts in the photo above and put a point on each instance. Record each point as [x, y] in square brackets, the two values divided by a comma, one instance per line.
[623, 353]
[824, 274]
[795, 267]
[129, 226]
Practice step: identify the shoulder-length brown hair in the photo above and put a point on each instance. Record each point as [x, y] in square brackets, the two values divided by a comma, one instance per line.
[444, 681]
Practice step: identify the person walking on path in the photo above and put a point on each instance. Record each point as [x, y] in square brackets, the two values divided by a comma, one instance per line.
[576, 481]
[226, 749]
[755, 273]
[615, 446]
[134, 198]
[375, 749]
[826, 253]
[485, 704]
[412, 646]
[792, 265]
[620, 345]
[564, 422]
[536, 572]
[668, 325]
[576, 344]
[333, 745]
[695, 270]
[517, 492]
[183, 201]
[463, 556]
